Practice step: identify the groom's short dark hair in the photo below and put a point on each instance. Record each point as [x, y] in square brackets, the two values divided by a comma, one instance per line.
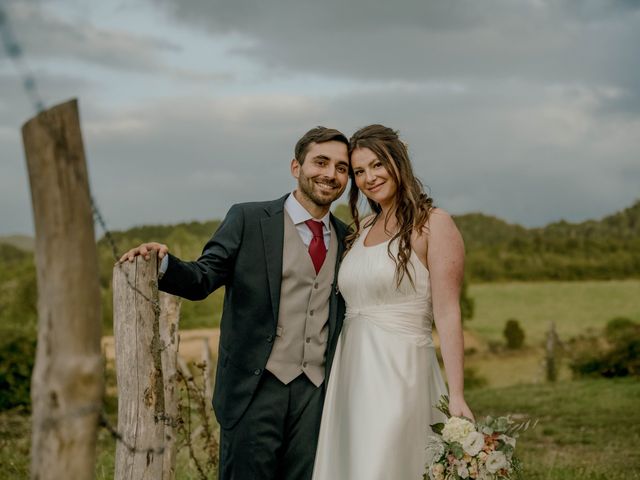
[317, 135]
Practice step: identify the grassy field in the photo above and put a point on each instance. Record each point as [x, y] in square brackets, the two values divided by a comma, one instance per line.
[573, 306]
[587, 430]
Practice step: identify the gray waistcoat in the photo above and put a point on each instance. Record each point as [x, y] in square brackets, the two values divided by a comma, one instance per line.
[303, 327]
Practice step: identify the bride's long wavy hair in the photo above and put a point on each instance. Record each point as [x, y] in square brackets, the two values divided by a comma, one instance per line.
[412, 205]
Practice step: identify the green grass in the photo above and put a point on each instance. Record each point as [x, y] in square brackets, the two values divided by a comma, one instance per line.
[587, 430]
[573, 306]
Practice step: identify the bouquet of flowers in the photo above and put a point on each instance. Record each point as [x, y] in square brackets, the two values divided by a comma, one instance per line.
[466, 450]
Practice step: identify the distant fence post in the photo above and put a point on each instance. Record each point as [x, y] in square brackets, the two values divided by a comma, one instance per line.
[68, 378]
[138, 355]
[169, 319]
[551, 353]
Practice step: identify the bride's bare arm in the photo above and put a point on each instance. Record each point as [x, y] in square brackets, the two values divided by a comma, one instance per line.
[445, 260]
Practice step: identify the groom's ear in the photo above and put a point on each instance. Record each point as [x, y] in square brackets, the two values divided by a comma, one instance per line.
[295, 168]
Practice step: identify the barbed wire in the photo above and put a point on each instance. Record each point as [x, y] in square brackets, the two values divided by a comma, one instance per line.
[16, 53]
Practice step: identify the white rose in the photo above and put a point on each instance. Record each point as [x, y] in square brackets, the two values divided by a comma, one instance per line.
[496, 461]
[456, 429]
[473, 443]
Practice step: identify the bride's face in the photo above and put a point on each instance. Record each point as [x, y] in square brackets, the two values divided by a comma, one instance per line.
[371, 177]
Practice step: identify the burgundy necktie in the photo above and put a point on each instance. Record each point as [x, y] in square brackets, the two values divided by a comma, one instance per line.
[317, 248]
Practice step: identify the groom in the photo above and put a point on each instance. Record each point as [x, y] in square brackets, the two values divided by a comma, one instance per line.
[278, 261]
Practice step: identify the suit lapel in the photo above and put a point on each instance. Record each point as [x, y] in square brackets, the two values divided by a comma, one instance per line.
[273, 240]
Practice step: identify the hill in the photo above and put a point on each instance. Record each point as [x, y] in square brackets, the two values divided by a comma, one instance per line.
[23, 242]
[595, 249]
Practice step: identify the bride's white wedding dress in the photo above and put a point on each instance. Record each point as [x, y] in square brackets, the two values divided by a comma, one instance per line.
[385, 379]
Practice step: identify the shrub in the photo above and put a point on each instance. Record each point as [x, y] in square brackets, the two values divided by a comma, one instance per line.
[17, 356]
[619, 327]
[617, 356]
[467, 303]
[514, 334]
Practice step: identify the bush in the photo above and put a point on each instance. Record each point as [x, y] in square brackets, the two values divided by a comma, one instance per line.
[618, 328]
[617, 356]
[17, 357]
[514, 334]
[467, 303]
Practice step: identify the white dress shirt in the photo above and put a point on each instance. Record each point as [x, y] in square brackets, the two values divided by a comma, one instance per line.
[299, 215]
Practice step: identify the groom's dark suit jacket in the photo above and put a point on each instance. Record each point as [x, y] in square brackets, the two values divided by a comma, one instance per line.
[245, 256]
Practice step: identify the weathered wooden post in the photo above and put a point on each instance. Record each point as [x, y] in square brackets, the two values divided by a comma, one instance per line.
[138, 348]
[68, 378]
[169, 319]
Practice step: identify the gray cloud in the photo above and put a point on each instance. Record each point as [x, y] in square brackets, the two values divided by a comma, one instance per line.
[528, 160]
[525, 110]
[566, 41]
[44, 34]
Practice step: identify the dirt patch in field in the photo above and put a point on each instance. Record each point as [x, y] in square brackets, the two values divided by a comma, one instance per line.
[190, 347]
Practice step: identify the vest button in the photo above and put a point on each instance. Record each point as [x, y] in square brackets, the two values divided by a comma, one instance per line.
[257, 371]
[308, 340]
[315, 285]
[311, 312]
[304, 364]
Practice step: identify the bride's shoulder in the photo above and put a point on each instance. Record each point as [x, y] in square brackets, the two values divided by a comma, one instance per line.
[439, 229]
[438, 221]
[442, 234]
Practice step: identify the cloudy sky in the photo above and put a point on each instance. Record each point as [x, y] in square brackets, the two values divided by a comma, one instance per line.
[524, 109]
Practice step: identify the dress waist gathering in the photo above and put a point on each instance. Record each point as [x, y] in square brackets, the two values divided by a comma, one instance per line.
[409, 319]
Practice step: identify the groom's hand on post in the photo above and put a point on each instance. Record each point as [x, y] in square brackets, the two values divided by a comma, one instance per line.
[145, 250]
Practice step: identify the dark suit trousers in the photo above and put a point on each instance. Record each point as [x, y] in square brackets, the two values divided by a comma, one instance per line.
[276, 437]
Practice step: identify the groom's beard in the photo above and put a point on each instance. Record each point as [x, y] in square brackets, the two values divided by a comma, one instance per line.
[309, 188]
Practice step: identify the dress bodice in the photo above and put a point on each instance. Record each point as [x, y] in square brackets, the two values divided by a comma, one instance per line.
[367, 281]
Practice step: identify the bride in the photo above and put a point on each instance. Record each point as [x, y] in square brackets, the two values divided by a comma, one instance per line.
[403, 270]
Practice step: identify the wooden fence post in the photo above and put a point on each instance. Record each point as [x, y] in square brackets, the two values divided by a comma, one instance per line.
[141, 415]
[169, 319]
[68, 377]
[551, 353]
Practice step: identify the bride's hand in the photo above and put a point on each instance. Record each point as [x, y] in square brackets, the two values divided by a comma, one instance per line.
[459, 408]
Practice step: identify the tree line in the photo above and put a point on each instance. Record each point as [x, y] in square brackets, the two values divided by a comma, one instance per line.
[496, 251]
